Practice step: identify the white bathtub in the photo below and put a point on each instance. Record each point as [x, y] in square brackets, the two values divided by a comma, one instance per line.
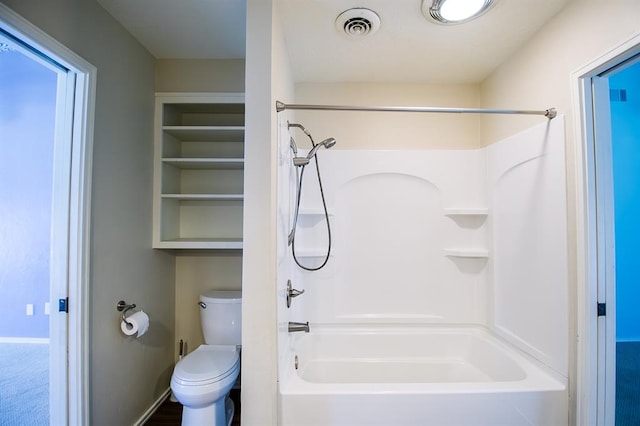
[415, 376]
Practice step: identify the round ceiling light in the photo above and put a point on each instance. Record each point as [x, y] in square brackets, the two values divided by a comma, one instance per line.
[454, 11]
[358, 22]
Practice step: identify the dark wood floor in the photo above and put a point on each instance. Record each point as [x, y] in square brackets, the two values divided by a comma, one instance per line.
[170, 413]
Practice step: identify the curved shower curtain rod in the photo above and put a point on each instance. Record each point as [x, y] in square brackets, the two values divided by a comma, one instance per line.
[281, 106]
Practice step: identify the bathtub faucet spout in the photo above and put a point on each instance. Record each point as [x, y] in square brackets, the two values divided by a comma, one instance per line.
[298, 326]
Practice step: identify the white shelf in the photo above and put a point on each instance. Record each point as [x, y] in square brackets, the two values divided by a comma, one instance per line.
[205, 163]
[466, 211]
[198, 171]
[313, 212]
[202, 243]
[206, 133]
[313, 253]
[204, 197]
[470, 253]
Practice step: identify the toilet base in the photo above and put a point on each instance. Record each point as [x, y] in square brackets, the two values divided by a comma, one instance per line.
[230, 408]
[218, 414]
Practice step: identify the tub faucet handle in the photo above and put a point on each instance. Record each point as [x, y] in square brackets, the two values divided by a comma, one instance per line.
[291, 293]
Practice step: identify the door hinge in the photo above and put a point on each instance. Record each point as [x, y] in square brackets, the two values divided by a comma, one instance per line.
[63, 305]
[602, 309]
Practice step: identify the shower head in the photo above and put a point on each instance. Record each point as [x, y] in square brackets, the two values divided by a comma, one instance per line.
[303, 161]
[328, 143]
[293, 146]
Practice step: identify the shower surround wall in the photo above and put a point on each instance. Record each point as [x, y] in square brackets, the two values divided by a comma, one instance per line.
[430, 238]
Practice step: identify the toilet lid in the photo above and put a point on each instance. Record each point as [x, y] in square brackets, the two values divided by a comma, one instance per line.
[207, 363]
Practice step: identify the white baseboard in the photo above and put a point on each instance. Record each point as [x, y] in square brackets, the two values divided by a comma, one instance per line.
[147, 414]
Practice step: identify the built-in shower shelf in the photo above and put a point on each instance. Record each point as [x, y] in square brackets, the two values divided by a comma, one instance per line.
[466, 211]
[470, 253]
[314, 212]
[312, 253]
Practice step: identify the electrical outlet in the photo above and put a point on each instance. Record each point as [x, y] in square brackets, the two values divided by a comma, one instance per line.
[47, 308]
[29, 309]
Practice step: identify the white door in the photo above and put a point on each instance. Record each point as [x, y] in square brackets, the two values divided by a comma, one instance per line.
[605, 306]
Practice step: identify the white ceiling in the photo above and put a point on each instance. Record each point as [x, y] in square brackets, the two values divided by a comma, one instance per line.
[406, 48]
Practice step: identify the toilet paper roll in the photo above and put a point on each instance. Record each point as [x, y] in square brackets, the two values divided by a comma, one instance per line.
[138, 323]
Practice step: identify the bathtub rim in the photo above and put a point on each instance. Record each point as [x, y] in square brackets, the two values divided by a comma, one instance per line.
[538, 376]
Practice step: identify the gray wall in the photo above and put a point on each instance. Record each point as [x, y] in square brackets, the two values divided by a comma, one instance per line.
[200, 75]
[126, 375]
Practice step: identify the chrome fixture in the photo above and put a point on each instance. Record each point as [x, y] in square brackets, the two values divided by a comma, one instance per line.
[303, 161]
[124, 307]
[299, 164]
[301, 127]
[291, 293]
[298, 326]
[293, 146]
[358, 22]
[454, 11]
[280, 106]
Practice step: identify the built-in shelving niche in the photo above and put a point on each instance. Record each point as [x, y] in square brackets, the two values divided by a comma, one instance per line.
[199, 171]
[470, 219]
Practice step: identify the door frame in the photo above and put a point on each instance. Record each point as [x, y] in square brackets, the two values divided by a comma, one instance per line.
[595, 238]
[75, 132]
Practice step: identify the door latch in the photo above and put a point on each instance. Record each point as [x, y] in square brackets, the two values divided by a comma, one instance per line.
[63, 305]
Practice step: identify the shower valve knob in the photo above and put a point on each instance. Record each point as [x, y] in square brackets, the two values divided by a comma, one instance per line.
[291, 293]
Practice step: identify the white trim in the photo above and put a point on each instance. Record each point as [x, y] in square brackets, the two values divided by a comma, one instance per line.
[59, 253]
[79, 246]
[586, 224]
[204, 97]
[35, 340]
[79, 208]
[586, 369]
[147, 414]
[606, 250]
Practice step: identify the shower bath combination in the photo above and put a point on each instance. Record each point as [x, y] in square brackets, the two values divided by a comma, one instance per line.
[300, 162]
[420, 312]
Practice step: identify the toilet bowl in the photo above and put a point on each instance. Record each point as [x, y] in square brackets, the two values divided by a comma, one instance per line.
[201, 382]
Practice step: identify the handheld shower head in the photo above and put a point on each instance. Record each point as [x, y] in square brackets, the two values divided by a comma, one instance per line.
[303, 161]
[327, 143]
[293, 146]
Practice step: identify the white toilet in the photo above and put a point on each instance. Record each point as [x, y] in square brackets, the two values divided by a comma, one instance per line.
[202, 380]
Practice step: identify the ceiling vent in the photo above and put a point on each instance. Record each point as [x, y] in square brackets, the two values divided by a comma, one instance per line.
[358, 22]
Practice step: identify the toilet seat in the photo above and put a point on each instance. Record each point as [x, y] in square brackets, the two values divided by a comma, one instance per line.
[206, 365]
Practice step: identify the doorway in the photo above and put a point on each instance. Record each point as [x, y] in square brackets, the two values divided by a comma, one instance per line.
[27, 136]
[67, 215]
[624, 89]
[608, 157]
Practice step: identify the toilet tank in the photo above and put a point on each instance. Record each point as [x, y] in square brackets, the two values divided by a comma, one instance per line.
[221, 317]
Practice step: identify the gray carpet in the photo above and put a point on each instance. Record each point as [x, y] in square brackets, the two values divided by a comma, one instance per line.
[24, 384]
[628, 384]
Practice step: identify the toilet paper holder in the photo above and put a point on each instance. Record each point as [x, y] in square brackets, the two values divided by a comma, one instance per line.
[124, 307]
